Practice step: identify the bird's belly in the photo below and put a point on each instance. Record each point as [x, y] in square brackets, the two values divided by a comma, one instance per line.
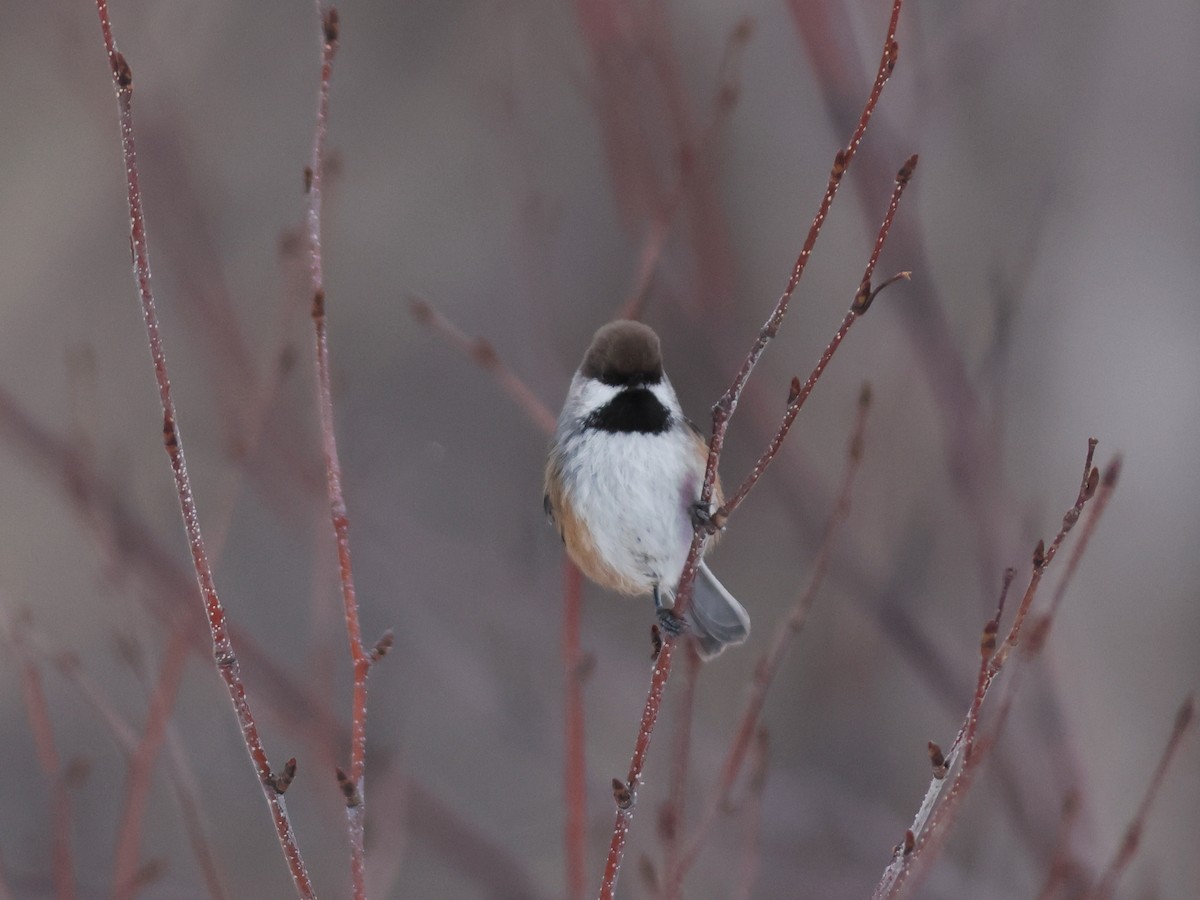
[636, 507]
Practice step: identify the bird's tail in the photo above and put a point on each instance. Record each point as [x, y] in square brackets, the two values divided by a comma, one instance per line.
[715, 618]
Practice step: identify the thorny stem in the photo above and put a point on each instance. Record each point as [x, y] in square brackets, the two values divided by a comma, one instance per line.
[227, 662]
[768, 664]
[722, 412]
[947, 791]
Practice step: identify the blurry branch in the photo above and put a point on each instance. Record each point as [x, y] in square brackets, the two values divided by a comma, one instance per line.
[625, 792]
[637, 91]
[227, 662]
[971, 450]
[752, 852]
[575, 663]
[691, 167]
[140, 765]
[670, 819]
[1062, 864]
[135, 548]
[1106, 887]
[352, 783]
[955, 770]
[16, 624]
[768, 665]
[576, 668]
[483, 353]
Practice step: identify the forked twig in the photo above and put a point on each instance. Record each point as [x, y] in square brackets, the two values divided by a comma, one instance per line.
[954, 771]
[768, 664]
[227, 662]
[352, 783]
[625, 793]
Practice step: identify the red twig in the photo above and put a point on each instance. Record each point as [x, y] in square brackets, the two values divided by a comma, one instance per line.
[37, 708]
[625, 792]
[722, 412]
[768, 664]
[671, 816]
[352, 783]
[752, 853]
[655, 241]
[955, 774]
[575, 668]
[1106, 887]
[1062, 864]
[483, 353]
[227, 662]
[140, 766]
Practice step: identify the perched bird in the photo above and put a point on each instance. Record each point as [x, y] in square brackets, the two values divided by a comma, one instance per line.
[623, 484]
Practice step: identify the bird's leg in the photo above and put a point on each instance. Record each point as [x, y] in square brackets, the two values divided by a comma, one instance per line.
[670, 623]
[702, 517]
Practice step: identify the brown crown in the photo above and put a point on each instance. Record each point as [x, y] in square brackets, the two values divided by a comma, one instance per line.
[622, 353]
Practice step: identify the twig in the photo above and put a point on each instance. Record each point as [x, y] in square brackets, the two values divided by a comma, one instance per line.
[37, 708]
[655, 241]
[752, 853]
[483, 353]
[353, 784]
[227, 662]
[140, 765]
[1061, 862]
[768, 665]
[953, 778]
[626, 793]
[575, 668]
[670, 820]
[1184, 719]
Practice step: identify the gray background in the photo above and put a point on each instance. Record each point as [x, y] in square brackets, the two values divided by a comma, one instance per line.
[1055, 220]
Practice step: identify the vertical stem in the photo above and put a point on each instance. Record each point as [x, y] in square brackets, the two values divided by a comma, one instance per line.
[227, 662]
[575, 768]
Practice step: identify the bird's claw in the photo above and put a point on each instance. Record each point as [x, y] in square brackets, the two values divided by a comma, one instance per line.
[670, 624]
[703, 518]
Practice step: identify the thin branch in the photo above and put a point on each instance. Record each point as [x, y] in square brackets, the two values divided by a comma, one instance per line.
[354, 788]
[37, 708]
[227, 662]
[483, 353]
[954, 776]
[768, 665]
[140, 765]
[752, 852]
[670, 820]
[655, 241]
[575, 670]
[1062, 864]
[626, 793]
[1107, 886]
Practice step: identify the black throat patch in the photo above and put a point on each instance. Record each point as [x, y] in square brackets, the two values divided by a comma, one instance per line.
[633, 411]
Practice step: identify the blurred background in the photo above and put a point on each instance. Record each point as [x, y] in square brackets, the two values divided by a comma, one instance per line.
[529, 169]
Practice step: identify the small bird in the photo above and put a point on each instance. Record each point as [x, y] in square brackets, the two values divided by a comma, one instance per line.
[623, 484]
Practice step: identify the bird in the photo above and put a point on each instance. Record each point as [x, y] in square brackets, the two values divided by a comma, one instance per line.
[623, 480]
